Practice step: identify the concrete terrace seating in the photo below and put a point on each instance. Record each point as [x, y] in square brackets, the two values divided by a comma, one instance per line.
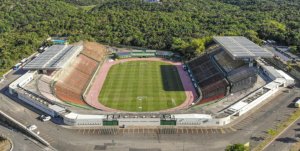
[242, 78]
[44, 87]
[226, 62]
[73, 81]
[214, 91]
[212, 83]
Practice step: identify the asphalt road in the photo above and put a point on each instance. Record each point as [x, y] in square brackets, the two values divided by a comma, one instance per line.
[20, 141]
[252, 129]
[286, 139]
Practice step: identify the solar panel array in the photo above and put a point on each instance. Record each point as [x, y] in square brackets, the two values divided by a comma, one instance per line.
[53, 57]
[241, 47]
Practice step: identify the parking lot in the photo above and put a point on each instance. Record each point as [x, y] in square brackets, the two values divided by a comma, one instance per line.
[154, 130]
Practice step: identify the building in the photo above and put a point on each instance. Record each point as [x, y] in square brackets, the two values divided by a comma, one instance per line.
[54, 58]
[227, 69]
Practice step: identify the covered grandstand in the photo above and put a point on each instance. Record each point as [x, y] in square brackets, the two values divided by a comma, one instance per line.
[54, 58]
[209, 78]
[73, 81]
[239, 47]
[227, 69]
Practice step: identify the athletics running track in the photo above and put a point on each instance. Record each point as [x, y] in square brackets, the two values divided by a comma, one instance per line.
[92, 96]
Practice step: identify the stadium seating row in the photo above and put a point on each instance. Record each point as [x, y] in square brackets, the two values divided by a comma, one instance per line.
[243, 79]
[217, 74]
[211, 81]
[226, 62]
[73, 81]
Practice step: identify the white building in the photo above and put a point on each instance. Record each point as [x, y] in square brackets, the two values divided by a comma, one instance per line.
[23, 80]
[191, 119]
[75, 119]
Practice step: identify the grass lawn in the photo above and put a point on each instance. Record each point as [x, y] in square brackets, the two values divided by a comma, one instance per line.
[141, 86]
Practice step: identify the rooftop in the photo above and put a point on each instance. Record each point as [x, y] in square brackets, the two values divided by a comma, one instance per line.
[239, 47]
[53, 57]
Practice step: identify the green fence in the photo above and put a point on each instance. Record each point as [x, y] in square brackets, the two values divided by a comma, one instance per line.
[111, 123]
[167, 122]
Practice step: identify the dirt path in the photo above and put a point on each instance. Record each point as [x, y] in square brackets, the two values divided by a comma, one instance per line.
[93, 94]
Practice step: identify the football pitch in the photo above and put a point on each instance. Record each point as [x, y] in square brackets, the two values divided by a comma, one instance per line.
[141, 86]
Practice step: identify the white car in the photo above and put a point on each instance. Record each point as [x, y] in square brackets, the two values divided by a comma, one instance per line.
[46, 118]
[32, 127]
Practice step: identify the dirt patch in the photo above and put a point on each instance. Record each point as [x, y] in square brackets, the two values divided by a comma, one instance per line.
[5, 145]
[94, 50]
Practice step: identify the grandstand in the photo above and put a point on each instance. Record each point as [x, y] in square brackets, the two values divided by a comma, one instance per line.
[54, 58]
[211, 81]
[143, 54]
[226, 62]
[73, 81]
[227, 69]
[243, 78]
[94, 50]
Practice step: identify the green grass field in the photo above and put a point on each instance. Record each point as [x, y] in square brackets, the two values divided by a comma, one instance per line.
[141, 86]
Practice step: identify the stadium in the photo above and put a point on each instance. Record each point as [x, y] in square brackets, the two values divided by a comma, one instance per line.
[91, 84]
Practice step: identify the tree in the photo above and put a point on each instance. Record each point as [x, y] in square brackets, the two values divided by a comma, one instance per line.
[200, 44]
[294, 49]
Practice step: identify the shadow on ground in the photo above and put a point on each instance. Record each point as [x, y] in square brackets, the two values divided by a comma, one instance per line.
[170, 78]
[286, 140]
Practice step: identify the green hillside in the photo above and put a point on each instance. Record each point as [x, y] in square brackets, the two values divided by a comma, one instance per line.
[178, 25]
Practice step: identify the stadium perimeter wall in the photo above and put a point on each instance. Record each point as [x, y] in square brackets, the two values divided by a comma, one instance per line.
[82, 119]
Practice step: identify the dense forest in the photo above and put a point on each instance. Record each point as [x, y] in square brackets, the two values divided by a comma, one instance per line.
[178, 25]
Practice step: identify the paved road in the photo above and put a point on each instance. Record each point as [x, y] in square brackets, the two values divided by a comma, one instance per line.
[20, 141]
[286, 139]
[252, 128]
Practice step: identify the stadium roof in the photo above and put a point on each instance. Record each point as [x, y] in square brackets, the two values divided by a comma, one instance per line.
[53, 57]
[239, 47]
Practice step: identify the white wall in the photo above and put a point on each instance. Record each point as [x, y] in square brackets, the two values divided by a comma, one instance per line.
[21, 81]
[74, 119]
[35, 104]
[139, 121]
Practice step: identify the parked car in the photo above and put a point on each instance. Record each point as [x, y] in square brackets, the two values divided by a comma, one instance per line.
[32, 127]
[45, 118]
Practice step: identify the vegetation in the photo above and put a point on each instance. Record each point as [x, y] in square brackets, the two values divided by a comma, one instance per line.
[179, 25]
[237, 147]
[142, 86]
